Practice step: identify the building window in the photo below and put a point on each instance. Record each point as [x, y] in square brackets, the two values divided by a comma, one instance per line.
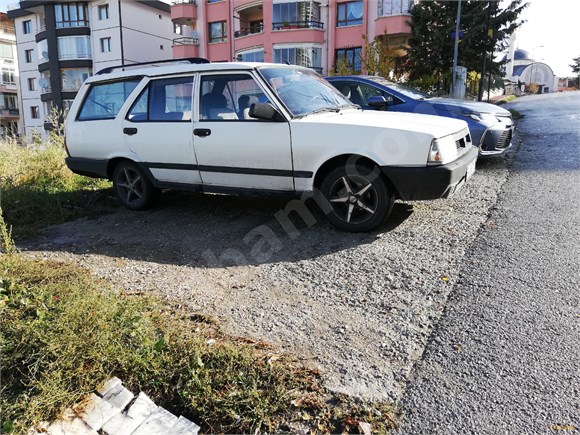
[8, 76]
[6, 51]
[28, 55]
[303, 56]
[103, 12]
[74, 47]
[27, 27]
[394, 7]
[251, 56]
[34, 112]
[71, 15]
[105, 45]
[73, 78]
[42, 51]
[349, 58]
[217, 31]
[31, 85]
[349, 13]
[178, 29]
[304, 14]
[7, 102]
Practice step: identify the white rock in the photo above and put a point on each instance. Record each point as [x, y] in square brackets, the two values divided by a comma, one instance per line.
[97, 412]
[118, 396]
[72, 427]
[111, 384]
[183, 426]
[126, 423]
[158, 423]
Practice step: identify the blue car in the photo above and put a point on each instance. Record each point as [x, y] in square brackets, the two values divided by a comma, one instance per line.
[491, 126]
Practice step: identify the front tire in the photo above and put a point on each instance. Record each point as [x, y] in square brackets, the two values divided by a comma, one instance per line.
[132, 187]
[358, 196]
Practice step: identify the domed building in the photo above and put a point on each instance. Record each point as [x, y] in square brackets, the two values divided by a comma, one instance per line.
[522, 69]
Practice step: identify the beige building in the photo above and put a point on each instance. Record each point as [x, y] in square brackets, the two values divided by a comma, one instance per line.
[9, 90]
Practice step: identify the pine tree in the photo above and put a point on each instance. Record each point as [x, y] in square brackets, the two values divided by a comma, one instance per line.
[485, 25]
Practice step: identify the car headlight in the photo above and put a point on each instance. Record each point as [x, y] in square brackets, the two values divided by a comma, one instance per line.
[482, 117]
[443, 150]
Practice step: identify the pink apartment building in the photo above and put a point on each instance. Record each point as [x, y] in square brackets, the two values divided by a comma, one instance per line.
[312, 33]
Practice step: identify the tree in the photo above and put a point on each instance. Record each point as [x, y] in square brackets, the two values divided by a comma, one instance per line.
[486, 29]
[576, 68]
[380, 57]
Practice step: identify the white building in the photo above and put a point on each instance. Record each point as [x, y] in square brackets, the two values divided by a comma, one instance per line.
[60, 44]
[523, 69]
[9, 98]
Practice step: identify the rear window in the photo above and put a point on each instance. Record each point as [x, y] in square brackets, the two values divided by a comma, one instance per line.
[105, 100]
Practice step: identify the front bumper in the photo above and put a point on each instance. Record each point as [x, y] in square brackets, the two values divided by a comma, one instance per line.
[431, 182]
[496, 140]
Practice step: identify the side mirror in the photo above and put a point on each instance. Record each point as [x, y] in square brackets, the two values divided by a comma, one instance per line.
[265, 112]
[378, 101]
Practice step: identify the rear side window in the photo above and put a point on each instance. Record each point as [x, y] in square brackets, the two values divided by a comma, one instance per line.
[105, 100]
[166, 100]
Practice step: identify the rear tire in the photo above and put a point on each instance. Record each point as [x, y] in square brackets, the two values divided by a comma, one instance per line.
[358, 196]
[132, 187]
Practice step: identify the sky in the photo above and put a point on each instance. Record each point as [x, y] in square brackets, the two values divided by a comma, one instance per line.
[553, 24]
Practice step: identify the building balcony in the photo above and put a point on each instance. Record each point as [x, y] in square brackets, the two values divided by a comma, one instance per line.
[8, 87]
[298, 25]
[251, 30]
[184, 11]
[393, 25]
[185, 47]
[9, 113]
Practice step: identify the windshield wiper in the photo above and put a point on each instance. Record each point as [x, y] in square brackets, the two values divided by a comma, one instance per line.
[324, 109]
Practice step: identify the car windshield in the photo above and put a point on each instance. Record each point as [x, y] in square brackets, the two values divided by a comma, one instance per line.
[303, 91]
[405, 90]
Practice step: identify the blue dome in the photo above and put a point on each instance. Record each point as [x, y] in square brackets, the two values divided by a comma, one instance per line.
[520, 55]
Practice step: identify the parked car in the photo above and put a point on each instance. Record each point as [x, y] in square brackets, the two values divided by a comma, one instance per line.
[491, 126]
[257, 127]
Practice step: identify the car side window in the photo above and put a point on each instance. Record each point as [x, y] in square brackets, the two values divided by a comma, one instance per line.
[370, 91]
[165, 100]
[228, 97]
[105, 100]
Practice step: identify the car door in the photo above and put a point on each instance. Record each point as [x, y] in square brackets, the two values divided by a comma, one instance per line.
[157, 129]
[234, 150]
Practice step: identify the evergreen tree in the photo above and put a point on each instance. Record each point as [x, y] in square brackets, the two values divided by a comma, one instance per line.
[486, 29]
[576, 69]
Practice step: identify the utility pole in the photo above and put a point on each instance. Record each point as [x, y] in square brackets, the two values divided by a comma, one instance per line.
[484, 59]
[455, 50]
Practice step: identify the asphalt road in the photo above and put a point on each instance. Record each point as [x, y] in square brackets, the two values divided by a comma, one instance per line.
[505, 357]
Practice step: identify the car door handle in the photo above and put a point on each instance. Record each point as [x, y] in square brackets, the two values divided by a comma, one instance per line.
[130, 131]
[202, 132]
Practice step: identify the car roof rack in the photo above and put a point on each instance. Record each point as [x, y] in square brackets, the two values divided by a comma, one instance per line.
[191, 60]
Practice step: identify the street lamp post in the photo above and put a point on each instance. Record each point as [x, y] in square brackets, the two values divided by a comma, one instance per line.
[533, 63]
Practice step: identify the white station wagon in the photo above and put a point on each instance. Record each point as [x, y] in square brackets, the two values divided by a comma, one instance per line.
[258, 127]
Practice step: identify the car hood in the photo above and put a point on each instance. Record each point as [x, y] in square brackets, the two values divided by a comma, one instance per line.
[435, 126]
[465, 106]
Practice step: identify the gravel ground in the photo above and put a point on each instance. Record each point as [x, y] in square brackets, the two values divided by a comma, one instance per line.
[359, 306]
[505, 357]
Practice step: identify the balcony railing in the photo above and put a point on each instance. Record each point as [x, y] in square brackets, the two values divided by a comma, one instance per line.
[186, 41]
[9, 112]
[184, 2]
[249, 31]
[70, 88]
[298, 25]
[79, 56]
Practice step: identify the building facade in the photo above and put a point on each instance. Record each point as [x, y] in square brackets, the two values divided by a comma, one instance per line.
[61, 44]
[313, 33]
[10, 124]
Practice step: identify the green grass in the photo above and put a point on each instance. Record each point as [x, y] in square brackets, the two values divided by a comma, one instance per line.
[64, 332]
[37, 189]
